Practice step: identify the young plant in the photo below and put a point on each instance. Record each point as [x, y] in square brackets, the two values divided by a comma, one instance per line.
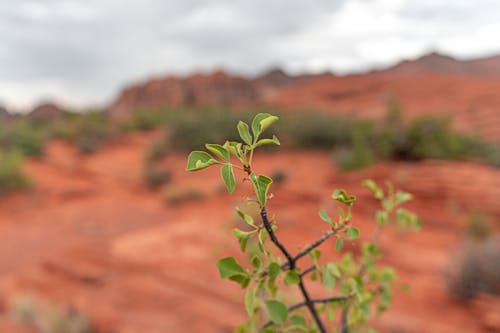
[355, 286]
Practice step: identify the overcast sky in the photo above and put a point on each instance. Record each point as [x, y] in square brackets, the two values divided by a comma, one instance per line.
[83, 52]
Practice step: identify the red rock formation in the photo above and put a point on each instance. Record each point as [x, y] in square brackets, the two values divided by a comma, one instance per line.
[46, 110]
[466, 91]
[216, 89]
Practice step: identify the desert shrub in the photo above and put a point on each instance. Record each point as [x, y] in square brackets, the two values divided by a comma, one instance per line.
[47, 318]
[90, 132]
[12, 177]
[157, 150]
[24, 136]
[486, 151]
[476, 270]
[147, 119]
[179, 194]
[279, 176]
[355, 285]
[319, 130]
[432, 138]
[191, 129]
[357, 156]
[479, 226]
[154, 176]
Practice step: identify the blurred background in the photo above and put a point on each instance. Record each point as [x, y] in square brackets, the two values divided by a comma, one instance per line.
[101, 228]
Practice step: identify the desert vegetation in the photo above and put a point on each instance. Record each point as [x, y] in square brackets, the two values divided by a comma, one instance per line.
[363, 288]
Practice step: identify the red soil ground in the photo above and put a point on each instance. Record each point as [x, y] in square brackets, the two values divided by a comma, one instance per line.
[91, 235]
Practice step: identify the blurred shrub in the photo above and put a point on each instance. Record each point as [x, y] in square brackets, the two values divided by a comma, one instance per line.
[157, 150]
[47, 318]
[91, 131]
[479, 226]
[477, 270]
[154, 175]
[176, 195]
[358, 155]
[190, 130]
[12, 178]
[23, 135]
[279, 176]
[145, 120]
[319, 130]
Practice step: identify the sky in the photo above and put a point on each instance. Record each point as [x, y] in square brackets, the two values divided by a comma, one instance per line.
[82, 53]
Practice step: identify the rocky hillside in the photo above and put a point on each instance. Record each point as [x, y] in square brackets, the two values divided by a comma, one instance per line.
[467, 91]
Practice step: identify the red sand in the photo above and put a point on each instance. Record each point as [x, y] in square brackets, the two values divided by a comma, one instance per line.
[92, 236]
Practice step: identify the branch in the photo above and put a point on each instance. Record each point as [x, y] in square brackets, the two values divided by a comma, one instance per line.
[314, 245]
[274, 239]
[314, 301]
[291, 264]
[308, 270]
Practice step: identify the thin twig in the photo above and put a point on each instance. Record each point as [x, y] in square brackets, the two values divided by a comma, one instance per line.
[291, 263]
[274, 239]
[308, 270]
[317, 243]
[314, 301]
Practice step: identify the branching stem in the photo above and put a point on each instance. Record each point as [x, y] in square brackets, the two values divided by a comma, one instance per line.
[314, 301]
[291, 264]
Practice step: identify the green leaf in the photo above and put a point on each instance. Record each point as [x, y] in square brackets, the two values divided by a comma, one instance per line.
[405, 288]
[333, 268]
[247, 218]
[228, 267]
[402, 197]
[292, 277]
[277, 311]
[228, 177]
[261, 185]
[262, 239]
[256, 262]
[298, 322]
[324, 216]
[352, 233]
[342, 196]
[328, 279]
[263, 142]
[377, 191]
[260, 122]
[230, 146]
[218, 150]
[244, 132]
[250, 302]
[198, 160]
[243, 237]
[382, 217]
[274, 269]
[339, 244]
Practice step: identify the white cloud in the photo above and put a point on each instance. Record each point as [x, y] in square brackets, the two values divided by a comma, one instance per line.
[84, 51]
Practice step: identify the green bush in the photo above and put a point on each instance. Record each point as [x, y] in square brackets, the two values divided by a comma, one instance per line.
[157, 150]
[479, 226]
[318, 130]
[357, 156]
[154, 176]
[90, 132]
[47, 318]
[477, 270]
[23, 135]
[12, 177]
[146, 120]
[190, 130]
